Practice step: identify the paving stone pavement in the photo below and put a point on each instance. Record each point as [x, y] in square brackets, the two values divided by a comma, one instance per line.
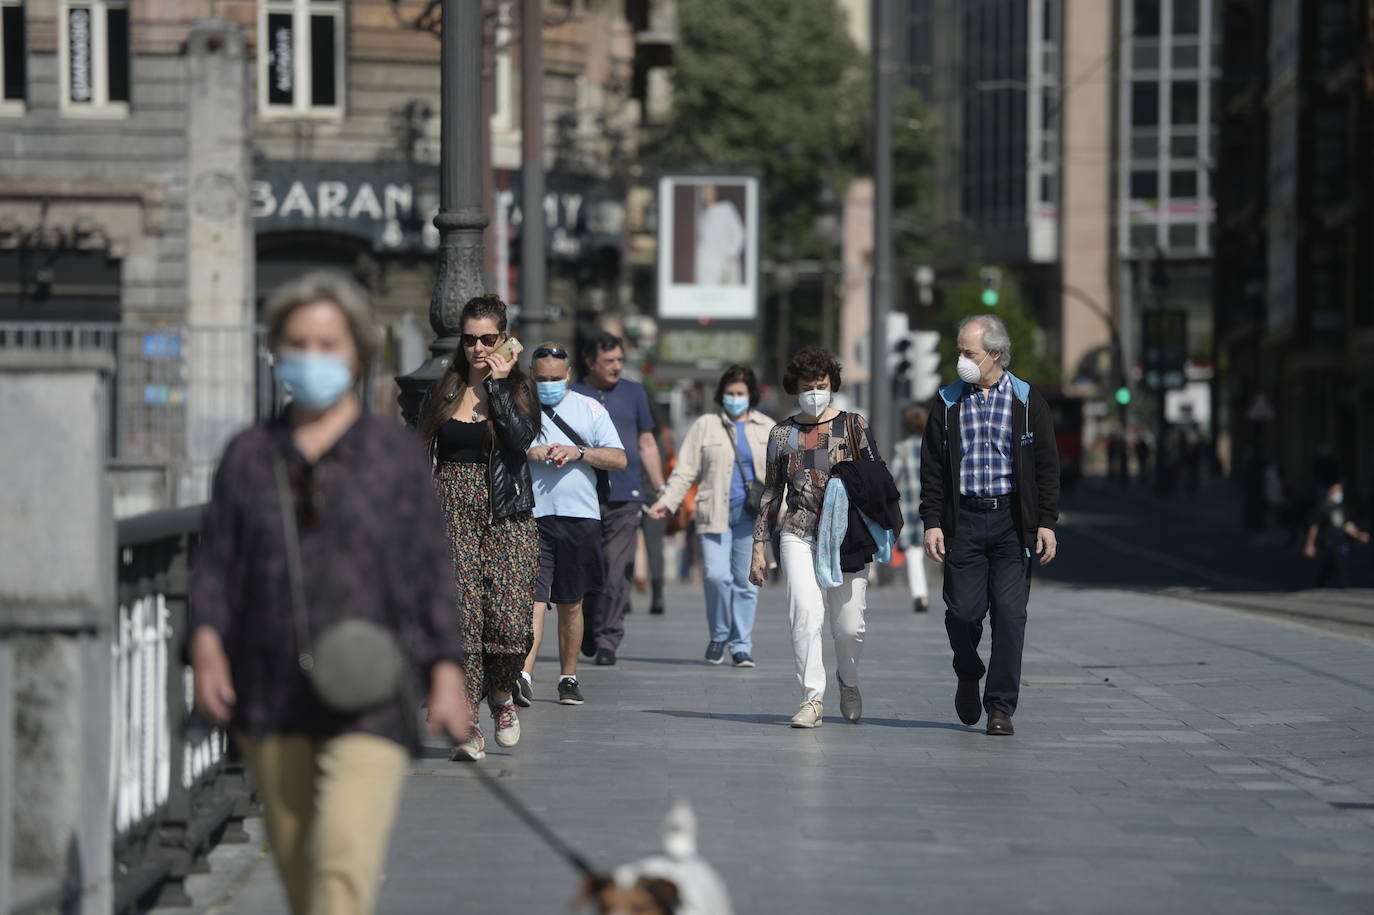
[1169, 757]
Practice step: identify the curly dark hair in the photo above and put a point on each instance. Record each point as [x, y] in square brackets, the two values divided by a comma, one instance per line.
[438, 405]
[810, 363]
[738, 373]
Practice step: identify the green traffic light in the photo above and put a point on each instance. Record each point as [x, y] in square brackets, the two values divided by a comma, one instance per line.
[990, 298]
[1123, 396]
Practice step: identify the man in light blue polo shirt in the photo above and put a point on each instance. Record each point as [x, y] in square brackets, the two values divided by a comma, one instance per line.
[577, 444]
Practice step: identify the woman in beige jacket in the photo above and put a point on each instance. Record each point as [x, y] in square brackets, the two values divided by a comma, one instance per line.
[724, 451]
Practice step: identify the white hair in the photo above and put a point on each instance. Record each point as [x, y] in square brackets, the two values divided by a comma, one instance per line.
[994, 336]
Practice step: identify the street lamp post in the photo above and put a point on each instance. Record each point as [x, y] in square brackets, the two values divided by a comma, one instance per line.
[462, 217]
[827, 227]
[784, 278]
[884, 79]
[533, 284]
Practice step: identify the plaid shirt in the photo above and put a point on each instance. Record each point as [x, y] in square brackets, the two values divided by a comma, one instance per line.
[906, 472]
[985, 467]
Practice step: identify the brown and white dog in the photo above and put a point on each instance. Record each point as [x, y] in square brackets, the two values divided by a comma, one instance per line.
[676, 882]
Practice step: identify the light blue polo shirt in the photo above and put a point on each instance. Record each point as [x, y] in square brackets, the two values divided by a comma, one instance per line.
[570, 491]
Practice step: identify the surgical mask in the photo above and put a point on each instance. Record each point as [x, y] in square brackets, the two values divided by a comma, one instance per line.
[813, 403]
[735, 405]
[314, 380]
[551, 392]
[968, 370]
[1337, 498]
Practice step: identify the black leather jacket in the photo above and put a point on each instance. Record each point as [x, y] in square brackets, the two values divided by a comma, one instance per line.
[508, 469]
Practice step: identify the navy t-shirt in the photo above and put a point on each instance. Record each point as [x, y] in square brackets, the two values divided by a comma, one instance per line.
[628, 404]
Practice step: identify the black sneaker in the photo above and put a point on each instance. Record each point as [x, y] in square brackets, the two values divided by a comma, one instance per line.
[922, 605]
[568, 693]
[523, 694]
[656, 609]
[715, 652]
[605, 658]
[742, 659]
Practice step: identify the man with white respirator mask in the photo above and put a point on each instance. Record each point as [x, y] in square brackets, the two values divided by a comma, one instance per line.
[989, 496]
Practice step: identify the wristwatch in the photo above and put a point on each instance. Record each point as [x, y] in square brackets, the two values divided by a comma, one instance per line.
[581, 452]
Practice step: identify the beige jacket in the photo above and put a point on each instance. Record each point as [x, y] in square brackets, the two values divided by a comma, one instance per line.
[707, 455]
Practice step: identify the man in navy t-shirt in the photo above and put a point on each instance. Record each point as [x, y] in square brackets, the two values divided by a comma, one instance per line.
[628, 404]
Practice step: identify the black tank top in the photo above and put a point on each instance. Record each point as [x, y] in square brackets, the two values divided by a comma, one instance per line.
[463, 443]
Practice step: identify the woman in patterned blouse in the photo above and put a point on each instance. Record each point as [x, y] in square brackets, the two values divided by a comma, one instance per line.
[801, 451]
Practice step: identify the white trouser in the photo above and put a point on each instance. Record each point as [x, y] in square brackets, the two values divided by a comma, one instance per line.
[807, 605]
[916, 573]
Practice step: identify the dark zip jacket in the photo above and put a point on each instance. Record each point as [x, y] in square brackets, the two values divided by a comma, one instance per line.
[872, 493]
[1034, 455]
[510, 489]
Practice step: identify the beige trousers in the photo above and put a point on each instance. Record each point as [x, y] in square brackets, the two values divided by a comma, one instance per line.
[329, 807]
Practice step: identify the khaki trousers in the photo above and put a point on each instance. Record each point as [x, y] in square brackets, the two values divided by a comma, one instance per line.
[329, 806]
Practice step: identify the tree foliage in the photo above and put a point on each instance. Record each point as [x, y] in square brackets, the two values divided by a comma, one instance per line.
[771, 85]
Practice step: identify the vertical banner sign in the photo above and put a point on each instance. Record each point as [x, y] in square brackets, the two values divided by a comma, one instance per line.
[79, 47]
[281, 59]
[708, 247]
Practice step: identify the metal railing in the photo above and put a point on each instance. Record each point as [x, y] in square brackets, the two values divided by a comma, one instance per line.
[177, 791]
[178, 391]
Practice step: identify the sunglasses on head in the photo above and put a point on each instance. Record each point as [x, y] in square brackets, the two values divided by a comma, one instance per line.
[487, 339]
[552, 352]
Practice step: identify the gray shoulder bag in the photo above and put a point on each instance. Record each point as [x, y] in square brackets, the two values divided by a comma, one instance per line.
[753, 489]
[356, 665]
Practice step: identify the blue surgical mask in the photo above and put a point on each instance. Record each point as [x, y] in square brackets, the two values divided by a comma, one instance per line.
[735, 405]
[314, 380]
[551, 392]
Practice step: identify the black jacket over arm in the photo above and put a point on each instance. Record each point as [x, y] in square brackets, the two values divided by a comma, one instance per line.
[1035, 462]
[508, 468]
[872, 493]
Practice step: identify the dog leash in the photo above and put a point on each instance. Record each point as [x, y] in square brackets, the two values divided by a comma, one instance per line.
[525, 815]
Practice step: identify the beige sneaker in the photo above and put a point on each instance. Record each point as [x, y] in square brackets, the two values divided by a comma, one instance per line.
[470, 750]
[851, 703]
[810, 714]
[507, 724]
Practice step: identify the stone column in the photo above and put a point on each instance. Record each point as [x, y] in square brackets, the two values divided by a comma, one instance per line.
[219, 251]
[57, 606]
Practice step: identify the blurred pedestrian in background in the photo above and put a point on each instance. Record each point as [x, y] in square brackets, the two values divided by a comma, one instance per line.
[577, 445]
[906, 470]
[802, 449]
[478, 422]
[989, 497]
[724, 452]
[655, 529]
[623, 507]
[1331, 536]
[357, 537]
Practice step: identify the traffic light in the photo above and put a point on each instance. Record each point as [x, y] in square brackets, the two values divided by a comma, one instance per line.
[925, 362]
[1123, 396]
[992, 286]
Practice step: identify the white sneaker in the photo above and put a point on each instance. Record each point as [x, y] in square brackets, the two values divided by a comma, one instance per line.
[851, 703]
[470, 750]
[507, 724]
[810, 714]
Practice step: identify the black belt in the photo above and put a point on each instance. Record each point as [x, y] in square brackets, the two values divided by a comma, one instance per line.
[985, 503]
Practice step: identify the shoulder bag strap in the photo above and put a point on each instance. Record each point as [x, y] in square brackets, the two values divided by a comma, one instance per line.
[734, 443]
[568, 430]
[852, 433]
[305, 656]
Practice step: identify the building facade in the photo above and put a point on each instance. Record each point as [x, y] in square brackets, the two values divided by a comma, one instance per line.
[1295, 226]
[164, 164]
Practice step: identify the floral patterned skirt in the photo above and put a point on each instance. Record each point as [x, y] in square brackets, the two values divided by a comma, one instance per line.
[495, 563]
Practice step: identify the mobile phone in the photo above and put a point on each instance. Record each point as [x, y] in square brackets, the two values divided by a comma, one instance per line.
[511, 349]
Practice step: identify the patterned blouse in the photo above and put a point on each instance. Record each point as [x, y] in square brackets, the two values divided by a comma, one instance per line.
[372, 546]
[800, 456]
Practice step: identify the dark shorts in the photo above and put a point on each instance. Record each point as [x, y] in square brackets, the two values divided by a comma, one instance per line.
[571, 561]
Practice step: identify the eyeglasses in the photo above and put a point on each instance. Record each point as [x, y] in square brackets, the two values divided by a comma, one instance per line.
[552, 352]
[487, 339]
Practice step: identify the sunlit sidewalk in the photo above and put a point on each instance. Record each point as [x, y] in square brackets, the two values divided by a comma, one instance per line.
[1169, 757]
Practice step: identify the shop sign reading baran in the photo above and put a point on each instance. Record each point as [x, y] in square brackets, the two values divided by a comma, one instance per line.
[375, 202]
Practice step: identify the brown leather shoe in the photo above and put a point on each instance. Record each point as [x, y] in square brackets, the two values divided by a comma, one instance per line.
[999, 723]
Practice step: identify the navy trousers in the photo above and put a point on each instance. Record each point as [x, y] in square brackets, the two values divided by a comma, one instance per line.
[987, 573]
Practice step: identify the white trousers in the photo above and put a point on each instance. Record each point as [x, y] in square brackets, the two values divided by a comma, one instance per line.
[916, 573]
[807, 606]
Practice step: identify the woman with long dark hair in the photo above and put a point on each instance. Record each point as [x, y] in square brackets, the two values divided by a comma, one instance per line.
[478, 422]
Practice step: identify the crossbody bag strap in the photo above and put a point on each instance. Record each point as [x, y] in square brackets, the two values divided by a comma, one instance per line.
[739, 461]
[568, 430]
[305, 656]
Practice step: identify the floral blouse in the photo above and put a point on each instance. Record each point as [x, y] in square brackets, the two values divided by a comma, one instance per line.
[800, 456]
